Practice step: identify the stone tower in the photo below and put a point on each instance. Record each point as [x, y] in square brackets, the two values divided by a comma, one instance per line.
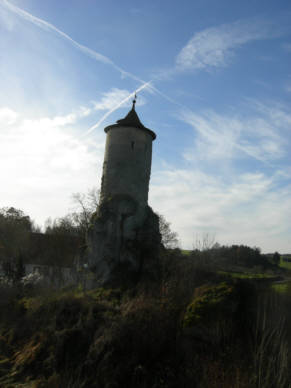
[124, 230]
[128, 159]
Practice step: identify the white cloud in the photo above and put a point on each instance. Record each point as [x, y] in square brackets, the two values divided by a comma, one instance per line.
[6, 20]
[260, 135]
[105, 102]
[116, 97]
[43, 163]
[217, 135]
[214, 46]
[7, 116]
[212, 195]
[247, 210]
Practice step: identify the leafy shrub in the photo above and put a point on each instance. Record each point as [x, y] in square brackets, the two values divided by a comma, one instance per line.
[208, 303]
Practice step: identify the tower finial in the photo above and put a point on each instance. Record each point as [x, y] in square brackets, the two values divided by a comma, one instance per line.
[134, 101]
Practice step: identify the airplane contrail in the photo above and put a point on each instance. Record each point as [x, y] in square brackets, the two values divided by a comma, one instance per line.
[115, 108]
[50, 27]
[91, 53]
[108, 113]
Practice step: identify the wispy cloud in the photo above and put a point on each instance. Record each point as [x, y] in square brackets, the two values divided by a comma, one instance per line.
[274, 111]
[213, 47]
[114, 97]
[115, 107]
[261, 135]
[250, 207]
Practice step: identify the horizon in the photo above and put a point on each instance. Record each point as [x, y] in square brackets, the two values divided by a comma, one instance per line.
[212, 81]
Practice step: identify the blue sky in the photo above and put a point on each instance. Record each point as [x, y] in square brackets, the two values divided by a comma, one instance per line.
[214, 81]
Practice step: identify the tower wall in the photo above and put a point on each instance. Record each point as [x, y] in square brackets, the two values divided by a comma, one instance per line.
[127, 164]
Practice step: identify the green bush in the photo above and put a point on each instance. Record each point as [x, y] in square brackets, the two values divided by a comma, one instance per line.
[208, 303]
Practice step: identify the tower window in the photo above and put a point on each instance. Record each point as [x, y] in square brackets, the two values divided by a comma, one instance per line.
[132, 145]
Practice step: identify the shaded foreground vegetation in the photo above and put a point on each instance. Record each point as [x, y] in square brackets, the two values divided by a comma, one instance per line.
[194, 324]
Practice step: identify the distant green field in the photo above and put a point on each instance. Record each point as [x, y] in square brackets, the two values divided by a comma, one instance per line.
[285, 264]
[186, 251]
[281, 288]
[246, 275]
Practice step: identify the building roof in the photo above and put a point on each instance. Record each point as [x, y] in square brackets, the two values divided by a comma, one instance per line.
[131, 120]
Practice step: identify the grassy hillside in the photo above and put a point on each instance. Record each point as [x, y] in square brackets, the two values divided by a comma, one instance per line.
[193, 326]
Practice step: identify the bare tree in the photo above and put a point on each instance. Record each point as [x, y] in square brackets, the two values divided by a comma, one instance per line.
[169, 238]
[204, 242]
[86, 205]
[77, 222]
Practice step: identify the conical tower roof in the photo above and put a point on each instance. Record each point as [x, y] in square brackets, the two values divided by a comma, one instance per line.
[131, 120]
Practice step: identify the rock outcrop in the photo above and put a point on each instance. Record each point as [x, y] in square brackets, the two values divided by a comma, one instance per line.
[123, 239]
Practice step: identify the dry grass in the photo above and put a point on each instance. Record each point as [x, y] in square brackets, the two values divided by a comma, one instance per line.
[136, 337]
